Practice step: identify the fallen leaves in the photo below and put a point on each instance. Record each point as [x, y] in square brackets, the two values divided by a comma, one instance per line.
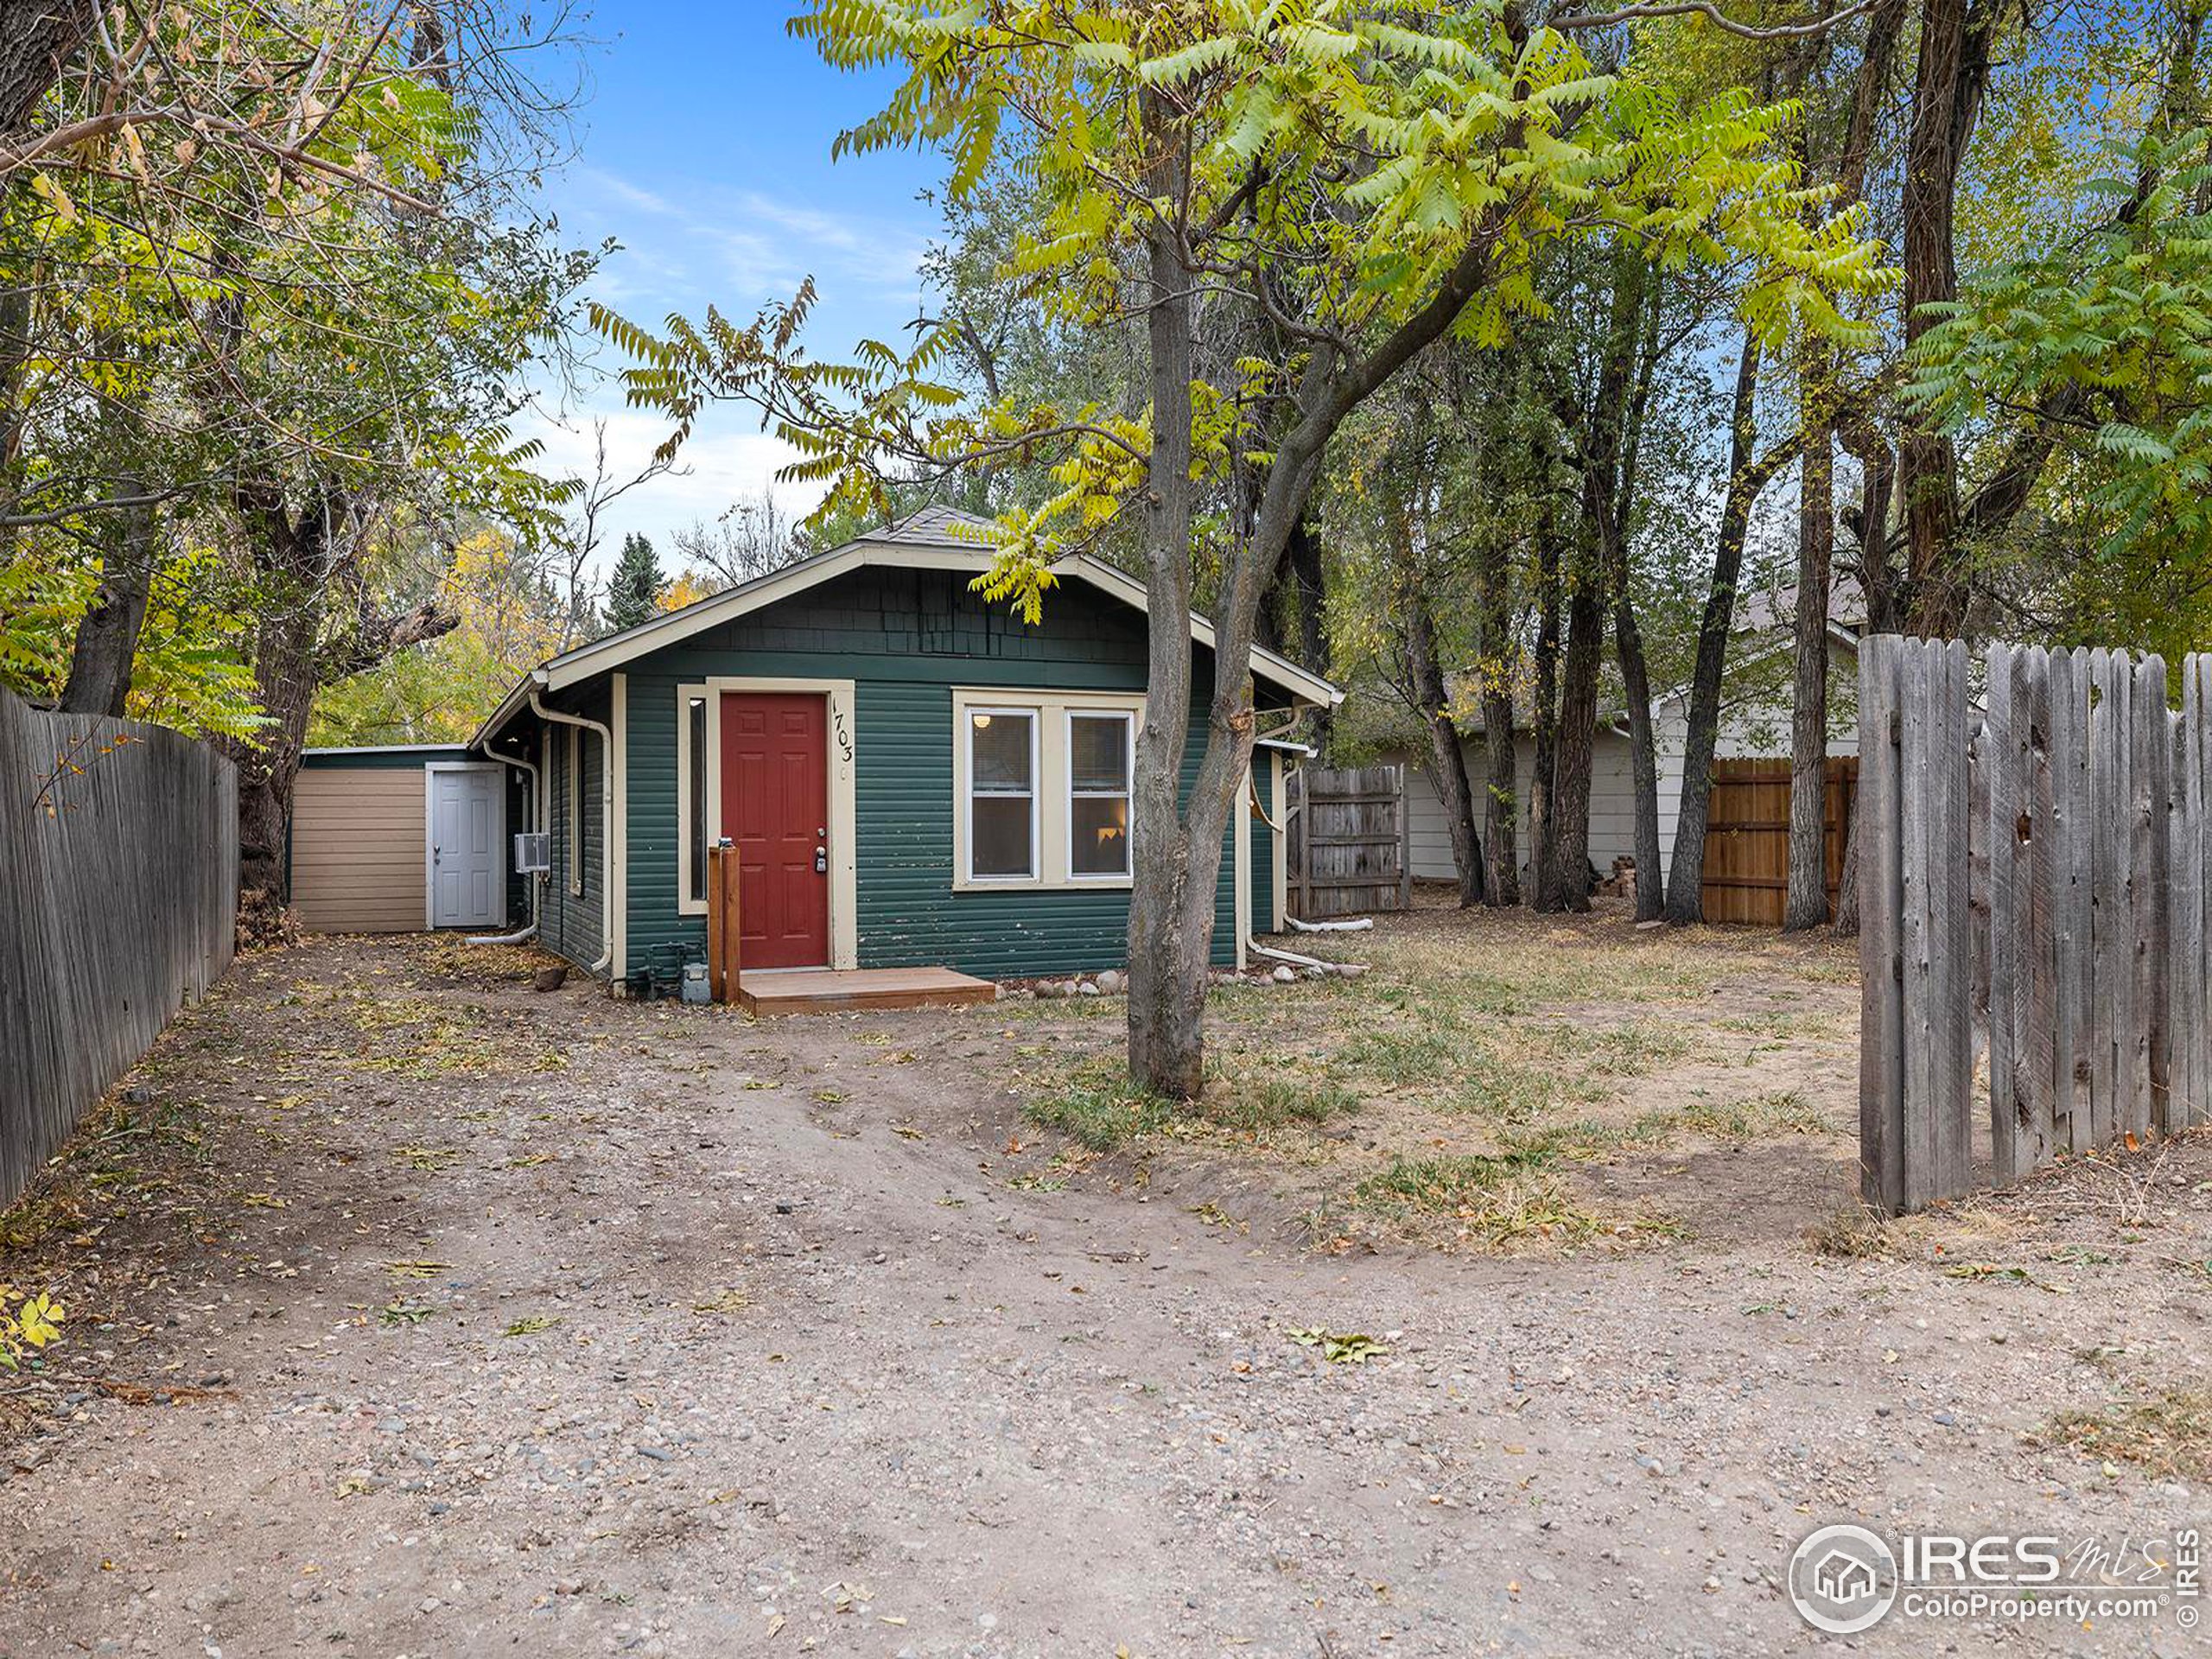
[1345, 1348]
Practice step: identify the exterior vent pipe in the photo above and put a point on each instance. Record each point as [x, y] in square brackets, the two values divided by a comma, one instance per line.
[607, 812]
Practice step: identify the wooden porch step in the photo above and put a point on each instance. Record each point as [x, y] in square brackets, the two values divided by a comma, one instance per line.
[810, 990]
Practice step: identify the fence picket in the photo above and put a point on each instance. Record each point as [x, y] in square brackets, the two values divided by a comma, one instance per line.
[1881, 1024]
[2152, 752]
[2004, 759]
[117, 906]
[2048, 868]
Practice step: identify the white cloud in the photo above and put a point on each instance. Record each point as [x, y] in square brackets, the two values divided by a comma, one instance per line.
[716, 467]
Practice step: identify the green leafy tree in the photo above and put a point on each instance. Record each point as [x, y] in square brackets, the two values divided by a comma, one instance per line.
[1290, 203]
[635, 586]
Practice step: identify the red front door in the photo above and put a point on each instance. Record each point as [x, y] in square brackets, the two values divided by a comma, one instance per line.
[776, 808]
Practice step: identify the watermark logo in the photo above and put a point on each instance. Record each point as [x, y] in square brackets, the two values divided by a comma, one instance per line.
[1843, 1580]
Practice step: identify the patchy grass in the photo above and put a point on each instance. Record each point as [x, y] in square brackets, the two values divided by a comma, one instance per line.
[1856, 1231]
[1782, 1112]
[1481, 1058]
[2168, 1435]
[1100, 1107]
[1500, 1200]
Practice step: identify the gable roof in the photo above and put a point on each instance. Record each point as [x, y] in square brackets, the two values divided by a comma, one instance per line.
[936, 538]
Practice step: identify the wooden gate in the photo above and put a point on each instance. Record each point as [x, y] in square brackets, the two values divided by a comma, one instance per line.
[1747, 837]
[2077, 817]
[1348, 833]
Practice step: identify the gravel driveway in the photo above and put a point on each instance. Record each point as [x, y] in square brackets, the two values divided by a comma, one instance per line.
[456, 1319]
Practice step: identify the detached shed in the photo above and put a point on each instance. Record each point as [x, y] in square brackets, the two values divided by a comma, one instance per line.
[400, 839]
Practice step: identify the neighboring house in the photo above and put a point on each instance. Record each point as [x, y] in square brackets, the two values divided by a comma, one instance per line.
[912, 776]
[1748, 731]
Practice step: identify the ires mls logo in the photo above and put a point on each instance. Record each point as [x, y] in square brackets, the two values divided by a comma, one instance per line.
[1843, 1580]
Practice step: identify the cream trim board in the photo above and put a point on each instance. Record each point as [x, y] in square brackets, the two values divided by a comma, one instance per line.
[687, 810]
[1278, 794]
[618, 829]
[843, 744]
[1241, 850]
[1050, 774]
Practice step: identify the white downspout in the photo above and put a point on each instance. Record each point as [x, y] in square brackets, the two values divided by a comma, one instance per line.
[606, 822]
[523, 936]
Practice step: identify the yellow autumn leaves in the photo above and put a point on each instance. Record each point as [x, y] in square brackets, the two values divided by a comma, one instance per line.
[26, 1325]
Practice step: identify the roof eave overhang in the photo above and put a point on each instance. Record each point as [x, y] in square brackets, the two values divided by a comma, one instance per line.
[588, 661]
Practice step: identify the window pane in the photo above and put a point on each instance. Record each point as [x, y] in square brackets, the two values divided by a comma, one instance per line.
[1100, 757]
[1099, 834]
[1000, 759]
[697, 873]
[998, 836]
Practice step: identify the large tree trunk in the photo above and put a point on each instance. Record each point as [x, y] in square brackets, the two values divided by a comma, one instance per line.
[1952, 69]
[292, 556]
[1805, 903]
[1543, 817]
[1447, 756]
[1501, 803]
[1631, 359]
[1643, 761]
[107, 634]
[1565, 883]
[1168, 934]
[37, 38]
[1746, 476]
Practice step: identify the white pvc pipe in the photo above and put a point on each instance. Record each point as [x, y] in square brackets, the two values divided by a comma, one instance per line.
[607, 819]
[522, 936]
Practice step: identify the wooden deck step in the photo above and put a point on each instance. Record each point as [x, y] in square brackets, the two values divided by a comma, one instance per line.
[813, 991]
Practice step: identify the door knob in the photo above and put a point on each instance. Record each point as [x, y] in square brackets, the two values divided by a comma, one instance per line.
[821, 861]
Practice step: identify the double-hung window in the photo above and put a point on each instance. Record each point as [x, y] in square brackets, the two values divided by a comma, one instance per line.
[1001, 803]
[1099, 764]
[1042, 787]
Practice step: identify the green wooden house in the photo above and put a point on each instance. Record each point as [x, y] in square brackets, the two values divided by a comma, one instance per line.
[911, 777]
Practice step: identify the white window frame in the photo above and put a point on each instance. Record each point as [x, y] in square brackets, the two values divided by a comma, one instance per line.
[575, 811]
[1127, 793]
[969, 794]
[693, 816]
[1050, 768]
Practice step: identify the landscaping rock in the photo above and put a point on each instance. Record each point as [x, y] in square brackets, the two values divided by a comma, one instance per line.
[549, 979]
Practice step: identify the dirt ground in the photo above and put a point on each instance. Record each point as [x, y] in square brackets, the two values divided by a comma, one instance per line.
[415, 1312]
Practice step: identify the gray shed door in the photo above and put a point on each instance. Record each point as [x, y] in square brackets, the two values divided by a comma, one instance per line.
[466, 874]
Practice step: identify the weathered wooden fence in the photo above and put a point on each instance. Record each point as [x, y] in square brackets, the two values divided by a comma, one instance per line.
[1348, 833]
[1747, 837]
[2040, 872]
[118, 902]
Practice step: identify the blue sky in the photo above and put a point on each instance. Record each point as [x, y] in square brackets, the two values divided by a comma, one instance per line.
[704, 150]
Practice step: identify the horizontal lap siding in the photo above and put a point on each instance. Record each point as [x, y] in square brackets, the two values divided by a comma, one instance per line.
[570, 925]
[906, 638]
[358, 849]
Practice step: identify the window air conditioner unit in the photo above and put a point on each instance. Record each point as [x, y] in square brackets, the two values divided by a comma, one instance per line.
[533, 854]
